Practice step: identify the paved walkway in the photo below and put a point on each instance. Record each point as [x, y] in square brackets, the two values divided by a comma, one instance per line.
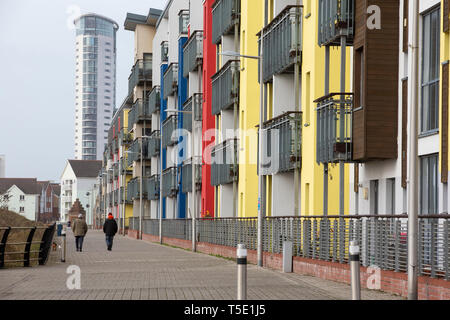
[141, 270]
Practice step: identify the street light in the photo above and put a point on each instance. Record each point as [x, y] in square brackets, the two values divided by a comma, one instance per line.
[261, 120]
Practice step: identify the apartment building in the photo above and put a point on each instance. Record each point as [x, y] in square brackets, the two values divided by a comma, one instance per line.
[21, 195]
[2, 166]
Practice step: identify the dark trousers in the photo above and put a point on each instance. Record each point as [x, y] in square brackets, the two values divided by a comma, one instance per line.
[79, 242]
[109, 242]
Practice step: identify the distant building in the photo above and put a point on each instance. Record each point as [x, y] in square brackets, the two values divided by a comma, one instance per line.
[95, 84]
[2, 166]
[77, 182]
[23, 196]
[49, 200]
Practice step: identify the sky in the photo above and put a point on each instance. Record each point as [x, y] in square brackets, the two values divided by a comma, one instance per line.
[37, 78]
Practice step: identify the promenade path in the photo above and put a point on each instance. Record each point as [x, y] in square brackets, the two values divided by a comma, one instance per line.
[139, 270]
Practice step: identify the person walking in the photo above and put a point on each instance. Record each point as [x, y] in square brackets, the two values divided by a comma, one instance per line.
[110, 229]
[79, 229]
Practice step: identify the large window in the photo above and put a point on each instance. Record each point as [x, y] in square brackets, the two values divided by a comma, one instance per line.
[429, 184]
[430, 70]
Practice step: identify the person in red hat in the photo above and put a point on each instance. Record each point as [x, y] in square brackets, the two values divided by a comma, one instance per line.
[110, 230]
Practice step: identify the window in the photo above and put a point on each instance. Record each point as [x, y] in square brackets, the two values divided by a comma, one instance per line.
[22, 209]
[374, 197]
[430, 70]
[22, 197]
[429, 184]
[390, 195]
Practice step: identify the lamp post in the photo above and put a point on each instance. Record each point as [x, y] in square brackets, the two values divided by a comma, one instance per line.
[260, 144]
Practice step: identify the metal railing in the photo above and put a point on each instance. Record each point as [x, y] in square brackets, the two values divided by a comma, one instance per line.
[334, 128]
[383, 239]
[186, 174]
[282, 42]
[125, 137]
[169, 182]
[196, 99]
[170, 80]
[225, 14]
[154, 144]
[193, 53]
[135, 151]
[280, 135]
[125, 167]
[336, 18]
[153, 187]
[139, 112]
[169, 126]
[140, 73]
[154, 100]
[164, 51]
[133, 188]
[25, 251]
[225, 87]
[225, 162]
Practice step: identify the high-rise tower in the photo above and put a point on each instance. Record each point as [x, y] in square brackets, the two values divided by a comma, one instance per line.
[95, 84]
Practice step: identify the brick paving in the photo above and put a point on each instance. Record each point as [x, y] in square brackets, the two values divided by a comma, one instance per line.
[139, 270]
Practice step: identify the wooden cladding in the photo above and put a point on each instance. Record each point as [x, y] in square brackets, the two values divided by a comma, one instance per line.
[404, 132]
[444, 124]
[445, 13]
[376, 64]
[405, 25]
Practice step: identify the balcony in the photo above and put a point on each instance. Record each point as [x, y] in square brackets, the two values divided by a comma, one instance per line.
[334, 128]
[196, 99]
[193, 53]
[154, 144]
[280, 135]
[116, 196]
[139, 112]
[183, 22]
[186, 173]
[124, 196]
[154, 100]
[133, 188]
[225, 163]
[153, 187]
[170, 80]
[125, 137]
[135, 151]
[225, 87]
[336, 18]
[140, 73]
[225, 14]
[169, 182]
[115, 168]
[169, 126]
[164, 51]
[125, 168]
[282, 41]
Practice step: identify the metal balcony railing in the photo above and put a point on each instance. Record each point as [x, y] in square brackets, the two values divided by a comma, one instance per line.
[125, 168]
[186, 174]
[164, 51]
[193, 53]
[225, 14]
[154, 100]
[169, 126]
[282, 42]
[183, 22]
[125, 137]
[334, 128]
[225, 162]
[115, 168]
[124, 196]
[153, 187]
[116, 196]
[154, 144]
[169, 182]
[336, 18]
[140, 73]
[225, 87]
[197, 100]
[282, 137]
[141, 112]
[135, 151]
[133, 188]
[170, 80]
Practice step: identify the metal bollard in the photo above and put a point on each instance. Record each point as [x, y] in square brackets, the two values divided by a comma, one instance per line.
[355, 271]
[241, 254]
[63, 249]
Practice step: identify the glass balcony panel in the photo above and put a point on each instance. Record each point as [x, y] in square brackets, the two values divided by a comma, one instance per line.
[169, 126]
[334, 128]
[183, 17]
[193, 53]
[169, 182]
[336, 18]
[154, 100]
[225, 87]
[170, 80]
[153, 187]
[154, 144]
[141, 111]
[225, 14]
[140, 73]
[186, 174]
[225, 162]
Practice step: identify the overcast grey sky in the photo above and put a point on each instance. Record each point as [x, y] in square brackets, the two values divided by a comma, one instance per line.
[37, 79]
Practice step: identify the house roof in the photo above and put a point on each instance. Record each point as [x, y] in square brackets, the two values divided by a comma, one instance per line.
[86, 168]
[27, 185]
[133, 19]
[56, 188]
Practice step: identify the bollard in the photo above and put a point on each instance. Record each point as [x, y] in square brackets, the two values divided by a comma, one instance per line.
[241, 254]
[354, 270]
[287, 256]
[63, 249]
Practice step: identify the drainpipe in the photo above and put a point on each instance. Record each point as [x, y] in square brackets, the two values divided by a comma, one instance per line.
[342, 125]
[236, 124]
[297, 109]
[325, 165]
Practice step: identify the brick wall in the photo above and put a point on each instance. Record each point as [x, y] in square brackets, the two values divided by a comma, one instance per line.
[391, 282]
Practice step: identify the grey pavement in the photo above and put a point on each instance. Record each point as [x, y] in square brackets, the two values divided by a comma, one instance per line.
[139, 270]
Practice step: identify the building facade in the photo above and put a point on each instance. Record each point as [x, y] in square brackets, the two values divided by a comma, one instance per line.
[95, 84]
[2, 166]
[21, 196]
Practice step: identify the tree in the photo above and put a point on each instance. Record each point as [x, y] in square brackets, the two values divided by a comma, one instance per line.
[4, 200]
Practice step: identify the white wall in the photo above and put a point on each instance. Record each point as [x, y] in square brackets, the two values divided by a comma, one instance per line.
[30, 203]
[2, 166]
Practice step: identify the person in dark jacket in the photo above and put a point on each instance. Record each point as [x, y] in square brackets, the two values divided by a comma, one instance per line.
[79, 229]
[110, 229]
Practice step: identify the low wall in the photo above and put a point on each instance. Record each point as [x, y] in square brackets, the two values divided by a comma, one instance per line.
[390, 281]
